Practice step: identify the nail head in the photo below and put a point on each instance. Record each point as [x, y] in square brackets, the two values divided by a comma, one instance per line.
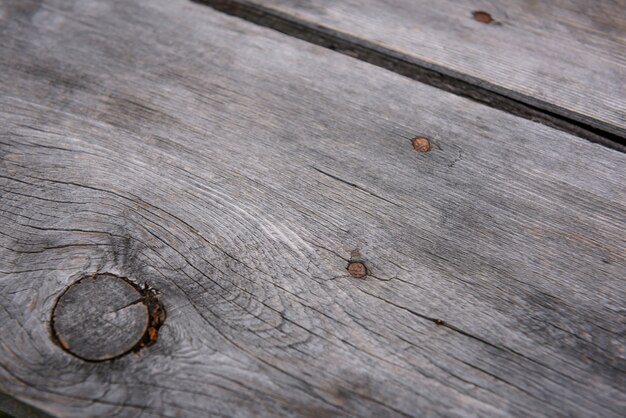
[421, 144]
[357, 269]
[482, 17]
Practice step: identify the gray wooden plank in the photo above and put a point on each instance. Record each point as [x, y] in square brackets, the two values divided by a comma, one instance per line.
[238, 172]
[567, 57]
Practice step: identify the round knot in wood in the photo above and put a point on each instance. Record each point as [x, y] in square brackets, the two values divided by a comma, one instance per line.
[103, 316]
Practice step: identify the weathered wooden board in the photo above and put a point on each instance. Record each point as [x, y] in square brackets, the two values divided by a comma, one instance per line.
[566, 56]
[237, 170]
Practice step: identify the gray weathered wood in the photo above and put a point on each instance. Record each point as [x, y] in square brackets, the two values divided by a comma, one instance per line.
[12, 408]
[566, 56]
[237, 171]
[100, 317]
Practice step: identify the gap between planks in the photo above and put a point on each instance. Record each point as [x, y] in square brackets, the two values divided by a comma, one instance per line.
[395, 61]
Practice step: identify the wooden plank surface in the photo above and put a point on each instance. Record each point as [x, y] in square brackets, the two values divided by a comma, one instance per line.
[238, 171]
[567, 57]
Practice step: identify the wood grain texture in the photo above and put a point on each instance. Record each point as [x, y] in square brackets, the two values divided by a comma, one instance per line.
[12, 408]
[567, 57]
[238, 171]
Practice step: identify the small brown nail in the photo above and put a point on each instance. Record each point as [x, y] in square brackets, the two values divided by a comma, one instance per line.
[357, 269]
[421, 144]
[482, 17]
[440, 322]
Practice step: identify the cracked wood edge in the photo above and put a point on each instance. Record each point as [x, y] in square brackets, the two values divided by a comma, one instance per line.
[565, 58]
[241, 181]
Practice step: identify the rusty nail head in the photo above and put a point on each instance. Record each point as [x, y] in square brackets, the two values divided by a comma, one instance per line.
[421, 144]
[482, 17]
[357, 269]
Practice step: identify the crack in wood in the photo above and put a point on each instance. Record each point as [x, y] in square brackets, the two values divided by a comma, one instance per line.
[356, 186]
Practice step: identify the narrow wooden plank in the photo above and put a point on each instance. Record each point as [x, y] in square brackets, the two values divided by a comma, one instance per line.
[238, 172]
[567, 57]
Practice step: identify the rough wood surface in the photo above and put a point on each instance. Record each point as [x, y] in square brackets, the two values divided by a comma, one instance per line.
[239, 171]
[100, 317]
[566, 56]
[12, 408]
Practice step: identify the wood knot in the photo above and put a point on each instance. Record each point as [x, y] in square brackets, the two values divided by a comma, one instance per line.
[482, 17]
[421, 144]
[103, 316]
